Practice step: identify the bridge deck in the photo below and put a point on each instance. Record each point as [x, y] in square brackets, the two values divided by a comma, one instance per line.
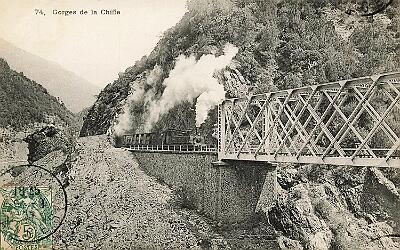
[309, 159]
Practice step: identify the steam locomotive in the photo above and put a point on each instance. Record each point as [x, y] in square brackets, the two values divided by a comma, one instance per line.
[167, 137]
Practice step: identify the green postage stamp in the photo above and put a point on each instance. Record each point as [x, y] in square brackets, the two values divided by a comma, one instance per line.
[26, 216]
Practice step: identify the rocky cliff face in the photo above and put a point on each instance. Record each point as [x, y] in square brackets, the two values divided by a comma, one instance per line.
[103, 112]
[336, 208]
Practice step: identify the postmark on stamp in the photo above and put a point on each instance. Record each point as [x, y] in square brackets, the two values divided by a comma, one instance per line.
[33, 206]
[26, 217]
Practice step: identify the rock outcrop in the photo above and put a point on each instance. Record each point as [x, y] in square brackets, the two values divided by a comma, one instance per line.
[53, 149]
[336, 208]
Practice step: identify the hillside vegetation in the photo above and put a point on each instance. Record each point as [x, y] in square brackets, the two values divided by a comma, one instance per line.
[282, 44]
[24, 102]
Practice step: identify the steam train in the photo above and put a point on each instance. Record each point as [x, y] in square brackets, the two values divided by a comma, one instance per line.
[168, 137]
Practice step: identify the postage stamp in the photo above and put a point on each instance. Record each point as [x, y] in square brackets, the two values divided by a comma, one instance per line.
[26, 217]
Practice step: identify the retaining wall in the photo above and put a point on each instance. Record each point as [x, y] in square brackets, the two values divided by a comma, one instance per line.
[227, 192]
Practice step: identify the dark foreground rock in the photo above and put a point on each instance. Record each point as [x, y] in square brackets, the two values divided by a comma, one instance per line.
[53, 149]
[326, 207]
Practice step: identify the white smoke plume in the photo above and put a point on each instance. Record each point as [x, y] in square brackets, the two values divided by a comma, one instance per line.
[191, 79]
[123, 122]
[137, 93]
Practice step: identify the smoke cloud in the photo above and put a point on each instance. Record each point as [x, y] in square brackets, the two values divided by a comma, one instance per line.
[191, 79]
[137, 93]
[123, 122]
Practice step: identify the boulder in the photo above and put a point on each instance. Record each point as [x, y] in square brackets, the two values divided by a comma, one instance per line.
[49, 147]
[380, 198]
[297, 219]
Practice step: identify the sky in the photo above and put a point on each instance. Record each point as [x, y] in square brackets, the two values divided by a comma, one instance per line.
[95, 47]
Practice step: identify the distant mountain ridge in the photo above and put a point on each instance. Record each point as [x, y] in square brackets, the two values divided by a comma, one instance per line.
[24, 102]
[75, 92]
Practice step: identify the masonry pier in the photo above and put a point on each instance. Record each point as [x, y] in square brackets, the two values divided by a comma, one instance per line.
[230, 192]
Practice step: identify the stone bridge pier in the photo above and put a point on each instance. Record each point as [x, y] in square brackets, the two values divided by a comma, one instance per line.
[241, 189]
[230, 192]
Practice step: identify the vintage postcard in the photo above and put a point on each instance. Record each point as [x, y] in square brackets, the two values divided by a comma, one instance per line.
[200, 124]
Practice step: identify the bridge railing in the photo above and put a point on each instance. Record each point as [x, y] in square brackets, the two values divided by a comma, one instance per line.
[351, 122]
[173, 148]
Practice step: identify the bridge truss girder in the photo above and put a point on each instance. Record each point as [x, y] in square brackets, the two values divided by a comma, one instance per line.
[352, 122]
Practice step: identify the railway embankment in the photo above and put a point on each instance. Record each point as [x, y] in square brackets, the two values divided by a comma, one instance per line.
[226, 192]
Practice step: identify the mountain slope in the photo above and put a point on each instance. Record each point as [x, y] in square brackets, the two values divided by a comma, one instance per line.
[282, 44]
[24, 102]
[75, 92]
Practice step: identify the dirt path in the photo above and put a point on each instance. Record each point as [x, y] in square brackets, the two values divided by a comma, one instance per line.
[115, 205]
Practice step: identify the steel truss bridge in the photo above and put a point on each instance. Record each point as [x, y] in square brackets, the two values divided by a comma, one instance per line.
[352, 122]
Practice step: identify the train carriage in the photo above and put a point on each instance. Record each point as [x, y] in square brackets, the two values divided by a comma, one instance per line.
[168, 137]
